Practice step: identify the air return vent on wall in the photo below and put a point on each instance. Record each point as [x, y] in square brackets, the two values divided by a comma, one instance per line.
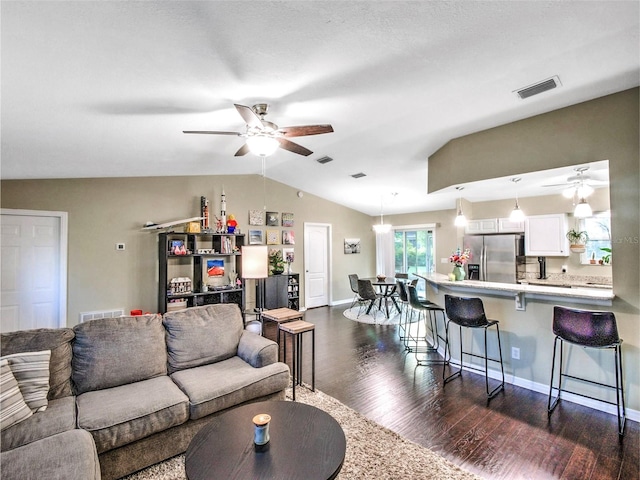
[539, 87]
[359, 175]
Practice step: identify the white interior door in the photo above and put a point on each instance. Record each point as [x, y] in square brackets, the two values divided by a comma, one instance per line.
[317, 256]
[33, 258]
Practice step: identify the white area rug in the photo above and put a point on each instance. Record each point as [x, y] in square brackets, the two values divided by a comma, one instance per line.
[375, 317]
[373, 451]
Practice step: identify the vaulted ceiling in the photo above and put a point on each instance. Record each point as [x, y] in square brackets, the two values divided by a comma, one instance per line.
[105, 89]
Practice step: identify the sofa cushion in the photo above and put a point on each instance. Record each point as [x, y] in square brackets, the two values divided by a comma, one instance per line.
[13, 408]
[202, 335]
[121, 415]
[106, 351]
[66, 456]
[31, 370]
[59, 417]
[221, 385]
[58, 340]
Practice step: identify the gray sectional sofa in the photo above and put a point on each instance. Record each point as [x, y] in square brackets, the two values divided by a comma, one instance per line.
[129, 392]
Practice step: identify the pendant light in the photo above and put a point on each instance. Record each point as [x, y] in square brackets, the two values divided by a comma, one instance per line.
[517, 215]
[460, 220]
[583, 209]
[382, 227]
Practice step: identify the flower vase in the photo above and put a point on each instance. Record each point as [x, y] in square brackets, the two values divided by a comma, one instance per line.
[459, 273]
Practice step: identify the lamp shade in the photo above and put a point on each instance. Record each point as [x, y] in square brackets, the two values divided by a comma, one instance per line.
[583, 209]
[255, 261]
[262, 145]
[382, 228]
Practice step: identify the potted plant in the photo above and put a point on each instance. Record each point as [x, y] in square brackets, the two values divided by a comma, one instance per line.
[593, 258]
[577, 240]
[606, 259]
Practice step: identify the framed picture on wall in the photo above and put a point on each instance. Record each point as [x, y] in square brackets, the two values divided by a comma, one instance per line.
[288, 237]
[273, 237]
[256, 237]
[256, 217]
[272, 219]
[287, 219]
[351, 245]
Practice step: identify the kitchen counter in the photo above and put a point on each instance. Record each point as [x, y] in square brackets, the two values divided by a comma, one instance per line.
[586, 294]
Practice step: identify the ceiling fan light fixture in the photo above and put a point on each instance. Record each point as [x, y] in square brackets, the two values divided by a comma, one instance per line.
[584, 190]
[583, 209]
[262, 145]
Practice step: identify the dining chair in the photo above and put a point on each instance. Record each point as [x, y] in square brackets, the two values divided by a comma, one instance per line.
[353, 283]
[587, 329]
[469, 313]
[368, 294]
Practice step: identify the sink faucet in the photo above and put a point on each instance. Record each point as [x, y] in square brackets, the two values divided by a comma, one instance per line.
[543, 267]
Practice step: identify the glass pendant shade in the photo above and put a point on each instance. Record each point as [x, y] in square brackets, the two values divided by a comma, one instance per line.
[583, 209]
[517, 215]
[262, 145]
[460, 220]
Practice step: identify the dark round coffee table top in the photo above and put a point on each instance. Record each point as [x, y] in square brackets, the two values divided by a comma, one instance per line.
[306, 443]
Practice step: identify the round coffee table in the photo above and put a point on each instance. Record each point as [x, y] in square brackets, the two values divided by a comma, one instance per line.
[306, 443]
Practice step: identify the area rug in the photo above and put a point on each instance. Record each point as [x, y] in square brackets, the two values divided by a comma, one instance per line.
[377, 317]
[373, 452]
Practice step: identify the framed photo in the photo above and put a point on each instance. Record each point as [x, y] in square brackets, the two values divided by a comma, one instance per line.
[176, 247]
[288, 255]
[288, 237]
[273, 237]
[351, 245]
[287, 219]
[256, 217]
[215, 268]
[256, 237]
[272, 219]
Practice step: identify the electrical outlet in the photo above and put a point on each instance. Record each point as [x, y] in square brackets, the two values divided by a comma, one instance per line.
[515, 353]
[120, 246]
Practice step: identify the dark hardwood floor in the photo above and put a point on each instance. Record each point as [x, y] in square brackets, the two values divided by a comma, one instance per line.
[366, 367]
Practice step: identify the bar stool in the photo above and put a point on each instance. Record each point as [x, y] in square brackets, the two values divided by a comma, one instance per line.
[425, 308]
[593, 329]
[404, 308]
[469, 313]
[296, 329]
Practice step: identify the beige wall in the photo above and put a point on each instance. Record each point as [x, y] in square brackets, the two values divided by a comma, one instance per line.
[103, 212]
[601, 129]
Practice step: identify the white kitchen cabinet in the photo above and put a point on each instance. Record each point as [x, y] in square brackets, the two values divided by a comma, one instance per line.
[545, 236]
[507, 226]
[486, 225]
[493, 225]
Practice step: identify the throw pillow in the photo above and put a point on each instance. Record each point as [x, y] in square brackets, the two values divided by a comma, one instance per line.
[31, 370]
[12, 407]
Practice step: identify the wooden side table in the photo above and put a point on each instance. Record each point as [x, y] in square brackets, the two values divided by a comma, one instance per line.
[296, 329]
[279, 316]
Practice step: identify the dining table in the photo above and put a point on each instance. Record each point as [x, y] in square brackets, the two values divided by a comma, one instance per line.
[387, 288]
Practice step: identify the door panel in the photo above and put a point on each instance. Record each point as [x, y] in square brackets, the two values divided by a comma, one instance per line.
[33, 268]
[316, 260]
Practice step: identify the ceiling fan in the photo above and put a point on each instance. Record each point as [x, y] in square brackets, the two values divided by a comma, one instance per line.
[579, 185]
[264, 137]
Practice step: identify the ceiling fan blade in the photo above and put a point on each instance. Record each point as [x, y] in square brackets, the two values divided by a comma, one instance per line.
[243, 150]
[249, 116]
[293, 147]
[567, 185]
[211, 132]
[303, 130]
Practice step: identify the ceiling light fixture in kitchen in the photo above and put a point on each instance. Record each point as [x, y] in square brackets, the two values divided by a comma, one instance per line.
[583, 209]
[517, 215]
[460, 220]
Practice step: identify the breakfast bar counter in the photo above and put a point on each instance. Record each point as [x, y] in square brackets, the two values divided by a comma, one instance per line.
[522, 291]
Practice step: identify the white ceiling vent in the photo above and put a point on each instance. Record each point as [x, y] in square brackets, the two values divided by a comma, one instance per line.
[536, 88]
[324, 160]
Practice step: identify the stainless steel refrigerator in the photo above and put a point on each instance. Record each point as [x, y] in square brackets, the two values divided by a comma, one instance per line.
[495, 258]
